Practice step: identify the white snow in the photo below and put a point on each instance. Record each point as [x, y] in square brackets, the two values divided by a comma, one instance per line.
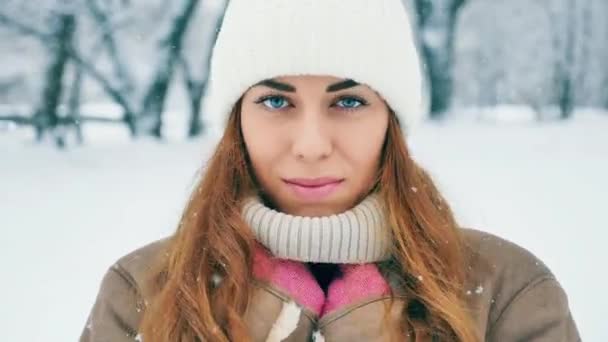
[66, 216]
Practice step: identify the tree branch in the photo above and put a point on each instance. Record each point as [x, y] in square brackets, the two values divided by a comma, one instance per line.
[26, 120]
[107, 36]
[105, 83]
[23, 28]
[18, 119]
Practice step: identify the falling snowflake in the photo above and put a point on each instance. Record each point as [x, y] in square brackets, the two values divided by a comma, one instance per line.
[414, 189]
[479, 289]
[138, 338]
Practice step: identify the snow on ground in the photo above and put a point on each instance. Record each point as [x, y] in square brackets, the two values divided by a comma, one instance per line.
[66, 216]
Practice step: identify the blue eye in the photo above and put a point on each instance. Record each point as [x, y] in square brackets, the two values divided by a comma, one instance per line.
[350, 103]
[275, 102]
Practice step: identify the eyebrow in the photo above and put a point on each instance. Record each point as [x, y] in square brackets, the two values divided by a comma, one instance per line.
[342, 85]
[289, 88]
[277, 85]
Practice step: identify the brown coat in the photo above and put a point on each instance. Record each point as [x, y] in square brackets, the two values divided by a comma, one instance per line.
[513, 295]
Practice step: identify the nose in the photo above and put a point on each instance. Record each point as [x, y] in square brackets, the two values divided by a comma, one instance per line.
[311, 139]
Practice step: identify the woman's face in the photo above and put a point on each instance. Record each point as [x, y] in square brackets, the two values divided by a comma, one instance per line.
[315, 142]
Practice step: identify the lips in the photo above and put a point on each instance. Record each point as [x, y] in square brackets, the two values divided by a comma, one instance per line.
[313, 182]
[313, 189]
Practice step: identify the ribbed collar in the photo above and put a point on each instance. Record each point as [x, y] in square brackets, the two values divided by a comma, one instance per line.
[357, 235]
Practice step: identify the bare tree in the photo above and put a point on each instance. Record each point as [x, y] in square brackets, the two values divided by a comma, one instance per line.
[195, 90]
[149, 121]
[74, 101]
[579, 31]
[46, 115]
[122, 90]
[108, 28]
[564, 66]
[59, 42]
[197, 87]
[436, 21]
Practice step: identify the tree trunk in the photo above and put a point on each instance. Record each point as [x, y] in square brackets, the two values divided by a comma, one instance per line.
[149, 121]
[436, 21]
[195, 126]
[566, 96]
[198, 89]
[46, 116]
[74, 104]
[107, 34]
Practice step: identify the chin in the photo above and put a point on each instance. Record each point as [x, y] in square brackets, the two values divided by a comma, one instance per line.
[315, 211]
[292, 204]
[326, 207]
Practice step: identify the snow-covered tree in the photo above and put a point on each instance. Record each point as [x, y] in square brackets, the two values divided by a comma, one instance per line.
[503, 54]
[590, 57]
[54, 25]
[128, 52]
[538, 53]
[436, 22]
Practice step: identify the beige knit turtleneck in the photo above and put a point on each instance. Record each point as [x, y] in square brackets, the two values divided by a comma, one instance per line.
[357, 235]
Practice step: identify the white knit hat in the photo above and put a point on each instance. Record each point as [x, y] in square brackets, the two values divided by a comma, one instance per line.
[368, 41]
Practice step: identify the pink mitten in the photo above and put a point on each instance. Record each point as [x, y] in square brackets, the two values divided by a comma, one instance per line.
[358, 282]
[291, 277]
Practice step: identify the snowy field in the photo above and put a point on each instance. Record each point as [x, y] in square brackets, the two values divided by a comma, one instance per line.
[66, 216]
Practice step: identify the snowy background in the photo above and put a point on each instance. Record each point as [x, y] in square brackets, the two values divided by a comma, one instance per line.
[100, 138]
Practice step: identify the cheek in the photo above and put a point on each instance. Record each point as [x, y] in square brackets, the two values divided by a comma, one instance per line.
[364, 155]
[261, 146]
[362, 147]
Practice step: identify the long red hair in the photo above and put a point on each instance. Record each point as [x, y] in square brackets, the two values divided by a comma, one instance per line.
[212, 241]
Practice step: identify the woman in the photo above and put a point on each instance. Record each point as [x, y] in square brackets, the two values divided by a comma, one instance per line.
[311, 220]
